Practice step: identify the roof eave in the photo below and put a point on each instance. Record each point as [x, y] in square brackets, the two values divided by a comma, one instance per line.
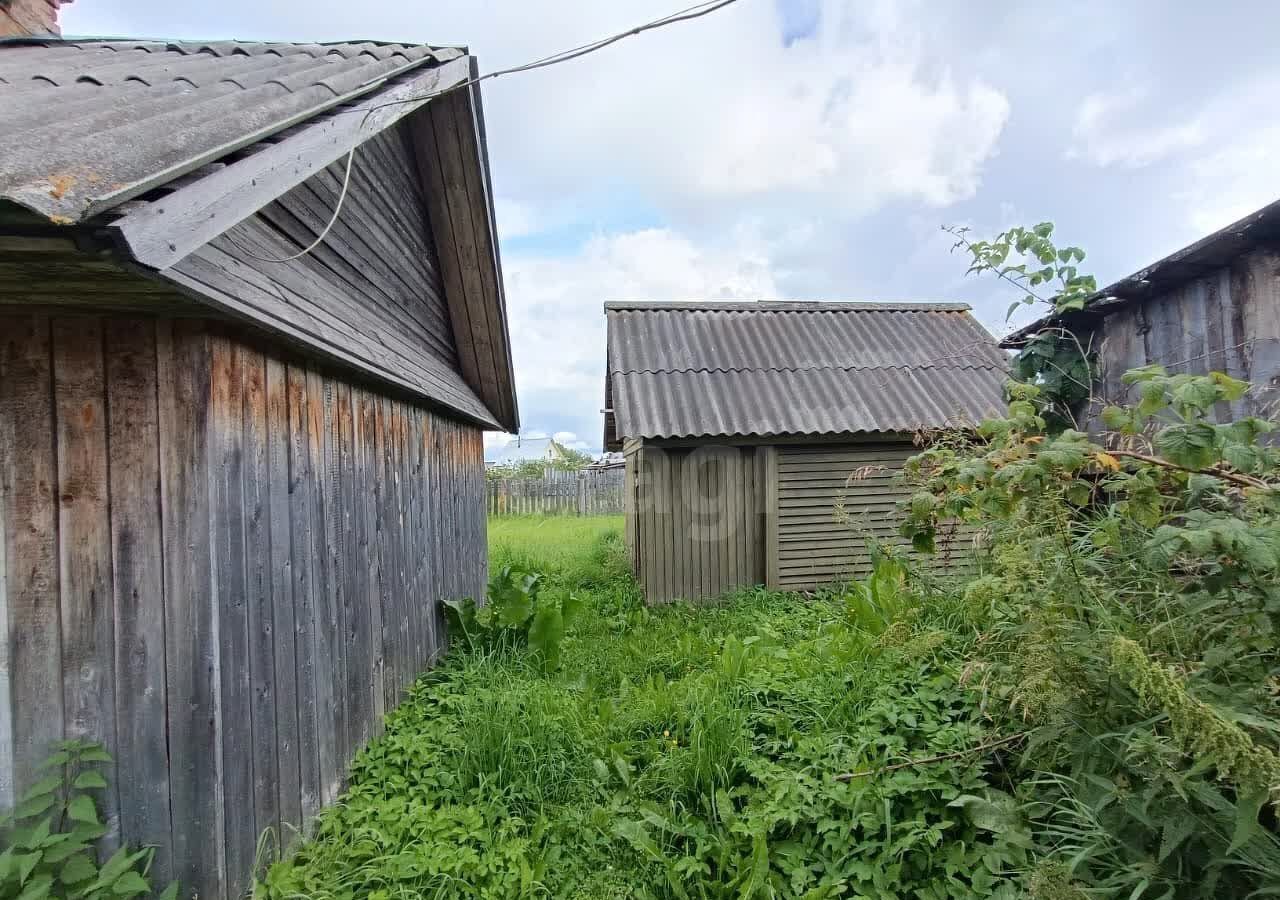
[161, 233]
[1211, 252]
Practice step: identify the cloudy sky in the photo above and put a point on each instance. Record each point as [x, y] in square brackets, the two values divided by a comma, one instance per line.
[812, 150]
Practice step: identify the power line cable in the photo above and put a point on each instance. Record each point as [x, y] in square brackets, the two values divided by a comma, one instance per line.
[682, 15]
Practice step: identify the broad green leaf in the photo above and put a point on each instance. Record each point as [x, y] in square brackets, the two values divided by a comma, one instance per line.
[36, 806]
[1190, 445]
[546, 633]
[81, 809]
[37, 888]
[77, 869]
[130, 884]
[89, 780]
[24, 864]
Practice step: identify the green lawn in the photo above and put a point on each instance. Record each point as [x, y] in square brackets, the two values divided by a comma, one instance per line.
[679, 752]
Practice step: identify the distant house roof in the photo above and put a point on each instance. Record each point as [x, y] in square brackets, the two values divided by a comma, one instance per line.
[151, 150]
[1260, 228]
[689, 370]
[526, 450]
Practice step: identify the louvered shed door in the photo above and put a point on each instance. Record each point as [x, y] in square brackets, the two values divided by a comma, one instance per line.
[830, 499]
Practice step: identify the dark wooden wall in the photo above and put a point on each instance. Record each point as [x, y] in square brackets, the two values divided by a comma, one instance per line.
[221, 562]
[1227, 320]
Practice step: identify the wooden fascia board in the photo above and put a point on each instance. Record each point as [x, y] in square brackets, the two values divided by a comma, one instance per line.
[163, 232]
[454, 169]
[482, 147]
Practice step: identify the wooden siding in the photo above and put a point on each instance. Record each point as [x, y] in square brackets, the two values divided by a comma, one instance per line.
[1227, 320]
[694, 520]
[224, 563]
[830, 501]
[370, 295]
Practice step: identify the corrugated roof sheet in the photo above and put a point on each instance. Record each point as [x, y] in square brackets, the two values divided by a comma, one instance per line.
[1259, 228]
[86, 125]
[718, 370]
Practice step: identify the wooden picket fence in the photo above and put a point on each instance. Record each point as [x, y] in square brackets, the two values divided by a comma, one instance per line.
[590, 492]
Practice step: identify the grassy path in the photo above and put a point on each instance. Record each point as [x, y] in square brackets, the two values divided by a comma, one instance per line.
[679, 752]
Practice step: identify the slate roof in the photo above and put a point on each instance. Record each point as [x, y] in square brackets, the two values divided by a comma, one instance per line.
[1259, 228]
[690, 370]
[131, 115]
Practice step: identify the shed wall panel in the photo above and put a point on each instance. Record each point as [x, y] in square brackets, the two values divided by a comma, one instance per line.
[691, 515]
[252, 508]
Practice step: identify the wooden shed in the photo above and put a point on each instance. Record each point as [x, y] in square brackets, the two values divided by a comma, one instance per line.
[240, 447]
[763, 440]
[1213, 306]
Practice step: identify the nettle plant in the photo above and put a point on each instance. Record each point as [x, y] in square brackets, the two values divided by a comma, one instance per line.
[517, 614]
[49, 839]
[1049, 276]
[1128, 616]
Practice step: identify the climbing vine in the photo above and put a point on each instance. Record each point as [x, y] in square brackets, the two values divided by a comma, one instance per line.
[1053, 359]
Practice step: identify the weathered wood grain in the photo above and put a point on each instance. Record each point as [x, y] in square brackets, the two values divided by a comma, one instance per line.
[283, 602]
[28, 458]
[276, 547]
[227, 513]
[84, 540]
[191, 637]
[262, 684]
[133, 486]
[304, 561]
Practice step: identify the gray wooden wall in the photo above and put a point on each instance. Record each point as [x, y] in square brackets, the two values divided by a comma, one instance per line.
[1227, 320]
[703, 521]
[829, 502]
[371, 294]
[695, 520]
[221, 562]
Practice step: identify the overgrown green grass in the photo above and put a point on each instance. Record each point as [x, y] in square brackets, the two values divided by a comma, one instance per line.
[679, 752]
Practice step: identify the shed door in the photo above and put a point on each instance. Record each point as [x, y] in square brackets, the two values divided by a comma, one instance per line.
[830, 500]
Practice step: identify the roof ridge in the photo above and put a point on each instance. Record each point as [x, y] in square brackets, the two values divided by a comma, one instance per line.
[727, 370]
[783, 306]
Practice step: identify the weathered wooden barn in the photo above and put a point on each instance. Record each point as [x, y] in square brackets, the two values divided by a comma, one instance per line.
[763, 439]
[238, 479]
[1211, 307]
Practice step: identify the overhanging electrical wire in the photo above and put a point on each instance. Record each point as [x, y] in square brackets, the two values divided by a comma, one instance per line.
[682, 15]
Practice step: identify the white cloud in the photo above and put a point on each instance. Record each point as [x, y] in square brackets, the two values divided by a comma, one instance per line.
[514, 219]
[720, 111]
[1109, 130]
[1235, 178]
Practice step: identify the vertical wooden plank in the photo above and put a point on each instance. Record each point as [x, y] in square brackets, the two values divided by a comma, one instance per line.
[351, 550]
[284, 627]
[84, 545]
[333, 620]
[731, 488]
[226, 475]
[191, 622]
[410, 558]
[258, 560]
[303, 430]
[367, 447]
[29, 464]
[643, 523]
[770, 495]
[137, 568]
